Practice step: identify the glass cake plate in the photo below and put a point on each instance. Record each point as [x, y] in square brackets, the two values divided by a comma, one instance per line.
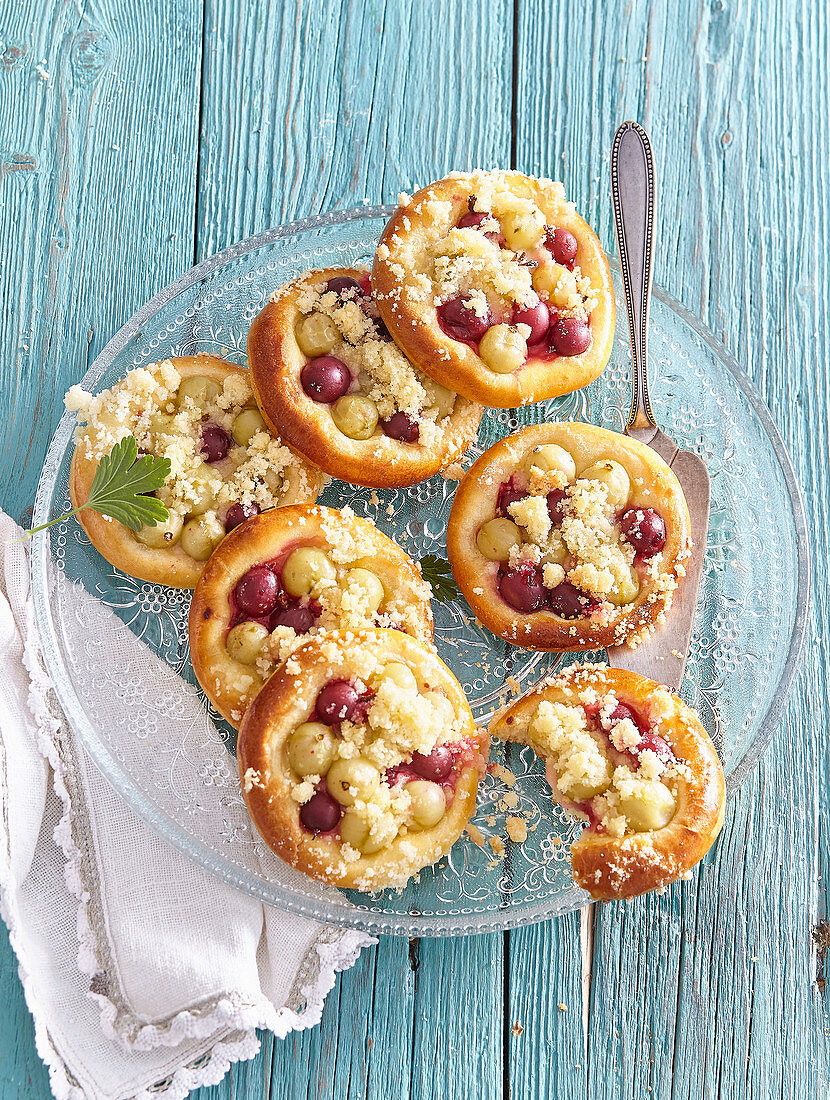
[183, 780]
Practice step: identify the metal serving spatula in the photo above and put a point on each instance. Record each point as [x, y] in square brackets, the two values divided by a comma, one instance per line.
[663, 656]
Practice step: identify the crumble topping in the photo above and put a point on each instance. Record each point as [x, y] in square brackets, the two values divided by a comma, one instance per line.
[590, 534]
[532, 514]
[588, 538]
[467, 260]
[302, 792]
[344, 602]
[570, 527]
[552, 574]
[347, 540]
[405, 715]
[599, 772]
[516, 828]
[379, 369]
[401, 721]
[561, 733]
[464, 260]
[144, 404]
[504, 774]
[251, 779]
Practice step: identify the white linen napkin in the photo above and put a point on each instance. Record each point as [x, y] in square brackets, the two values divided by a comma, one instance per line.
[145, 976]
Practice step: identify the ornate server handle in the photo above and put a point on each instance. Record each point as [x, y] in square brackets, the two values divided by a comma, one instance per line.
[632, 191]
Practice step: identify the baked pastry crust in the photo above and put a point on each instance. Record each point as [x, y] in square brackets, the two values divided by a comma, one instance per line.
[611, 867]
[231, 685]
[171, 566]
[653, 485]
[276, 362]
[286, 701]
[410, 313]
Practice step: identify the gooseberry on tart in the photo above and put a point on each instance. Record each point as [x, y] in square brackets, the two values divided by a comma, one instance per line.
[360, 760]
[567, 536]
[626, 756]
[327, 373]
[493, 285]
[226, 464]
[292, 572]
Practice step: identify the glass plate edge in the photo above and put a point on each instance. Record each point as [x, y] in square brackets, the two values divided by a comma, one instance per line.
[455, 924]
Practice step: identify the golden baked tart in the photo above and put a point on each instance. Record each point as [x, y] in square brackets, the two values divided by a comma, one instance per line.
[292, 572]
[625, 755]
[360, 760]
[199, 412]
[567, 536]
[494, 286]
[329, 378]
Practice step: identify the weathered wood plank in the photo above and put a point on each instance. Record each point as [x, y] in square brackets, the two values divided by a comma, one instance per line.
[321, 106]
[706, 990]
[360, 1050]
[547, 1057]
[22, 1074]
[98, 142]
[96, 194]
[457, 1048]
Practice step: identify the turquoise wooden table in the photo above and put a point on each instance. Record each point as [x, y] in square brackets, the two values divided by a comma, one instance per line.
[137, 138]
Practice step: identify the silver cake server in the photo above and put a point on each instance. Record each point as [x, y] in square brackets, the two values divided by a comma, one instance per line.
[663, 656]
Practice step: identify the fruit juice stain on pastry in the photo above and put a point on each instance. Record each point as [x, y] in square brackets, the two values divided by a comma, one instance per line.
[226, 464]
[360, 760]
[626, 756]
[567, 536]
[328, 375]
[289, 573]
[494, 285]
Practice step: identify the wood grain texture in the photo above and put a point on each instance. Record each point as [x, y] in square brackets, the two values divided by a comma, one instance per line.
[97, 176]
[22, 1074]
[315, 106]
[546, 1057]
[139, 155]
[708, 989]
[97, 186]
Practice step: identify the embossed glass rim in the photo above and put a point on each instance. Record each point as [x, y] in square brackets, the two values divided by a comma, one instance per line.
[453, 923]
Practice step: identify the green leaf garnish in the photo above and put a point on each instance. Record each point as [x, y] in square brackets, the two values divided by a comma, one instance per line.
[439, 574]
[121, 486]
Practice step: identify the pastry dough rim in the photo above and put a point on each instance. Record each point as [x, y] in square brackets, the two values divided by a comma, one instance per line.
[454, 364]
[270, 720]
[701, 802]
[262, 538]
[117, 543]
[378, 462]
[474, 503]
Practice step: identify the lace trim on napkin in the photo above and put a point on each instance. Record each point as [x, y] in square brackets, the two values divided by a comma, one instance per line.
[234, 1019]
[332, 950]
